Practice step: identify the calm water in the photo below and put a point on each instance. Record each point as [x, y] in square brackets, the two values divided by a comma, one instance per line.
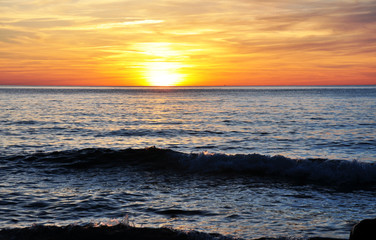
[64, 158]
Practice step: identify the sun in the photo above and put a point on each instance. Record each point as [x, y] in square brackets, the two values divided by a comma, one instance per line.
[163, 74]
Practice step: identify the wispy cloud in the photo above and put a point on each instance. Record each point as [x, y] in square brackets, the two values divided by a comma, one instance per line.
[122, 24]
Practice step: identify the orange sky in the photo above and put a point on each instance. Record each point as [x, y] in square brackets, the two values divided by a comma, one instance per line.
[176, 42]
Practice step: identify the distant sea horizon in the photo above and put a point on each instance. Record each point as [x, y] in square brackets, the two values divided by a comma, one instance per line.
[177, 86]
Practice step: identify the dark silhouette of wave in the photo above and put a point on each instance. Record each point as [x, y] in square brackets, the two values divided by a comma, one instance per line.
[116, 232]
[91, 232]
[317, 171]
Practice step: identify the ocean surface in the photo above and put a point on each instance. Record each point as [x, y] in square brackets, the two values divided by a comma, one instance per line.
[246, 162]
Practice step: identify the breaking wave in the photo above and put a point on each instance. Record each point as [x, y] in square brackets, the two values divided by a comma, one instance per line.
[116, 232]
[317, 171]
[99, 232]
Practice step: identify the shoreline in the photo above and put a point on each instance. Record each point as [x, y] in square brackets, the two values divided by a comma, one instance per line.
[116, 232]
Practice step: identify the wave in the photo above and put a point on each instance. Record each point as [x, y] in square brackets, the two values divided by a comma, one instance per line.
[116, 232]
[93, 232]
[316, 171]
[157, 132]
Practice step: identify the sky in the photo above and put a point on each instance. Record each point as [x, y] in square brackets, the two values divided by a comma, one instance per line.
[193, 43]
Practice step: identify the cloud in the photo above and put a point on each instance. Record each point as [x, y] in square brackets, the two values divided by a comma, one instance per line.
[329, 15]
[15, 36]
[236, 35]
[124, 24]
[39, 23]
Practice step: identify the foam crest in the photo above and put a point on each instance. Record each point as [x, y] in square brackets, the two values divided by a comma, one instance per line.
[96, 232]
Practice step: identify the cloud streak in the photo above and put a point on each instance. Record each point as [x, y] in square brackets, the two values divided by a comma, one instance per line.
[128, 23]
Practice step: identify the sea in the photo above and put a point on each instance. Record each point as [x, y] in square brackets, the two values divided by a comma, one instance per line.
[244, 162]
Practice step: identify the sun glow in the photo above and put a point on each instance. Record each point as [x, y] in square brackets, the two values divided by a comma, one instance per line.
[163, 74]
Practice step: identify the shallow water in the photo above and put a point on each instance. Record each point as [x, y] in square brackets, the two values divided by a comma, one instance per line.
[48, 178]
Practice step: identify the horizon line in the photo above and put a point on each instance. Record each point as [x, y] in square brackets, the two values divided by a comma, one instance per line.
[177, 86]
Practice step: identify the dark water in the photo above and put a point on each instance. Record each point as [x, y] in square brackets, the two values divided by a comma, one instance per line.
[246, 162]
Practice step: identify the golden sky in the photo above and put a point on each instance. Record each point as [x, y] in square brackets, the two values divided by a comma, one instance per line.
[195, 42]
